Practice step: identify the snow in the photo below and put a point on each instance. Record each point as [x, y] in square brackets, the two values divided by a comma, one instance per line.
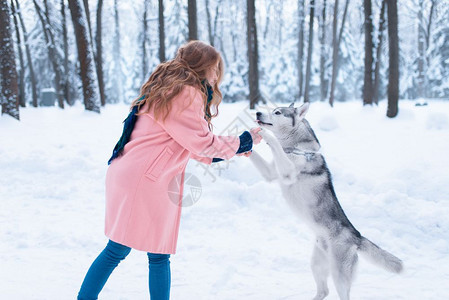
[240, 240]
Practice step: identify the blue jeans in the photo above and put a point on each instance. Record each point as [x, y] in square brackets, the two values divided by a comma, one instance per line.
[100, 270]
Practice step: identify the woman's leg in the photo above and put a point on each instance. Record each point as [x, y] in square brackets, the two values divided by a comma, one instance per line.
[159, 277]
[101, 269]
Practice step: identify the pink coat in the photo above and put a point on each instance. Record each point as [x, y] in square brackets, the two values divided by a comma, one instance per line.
[139, 212]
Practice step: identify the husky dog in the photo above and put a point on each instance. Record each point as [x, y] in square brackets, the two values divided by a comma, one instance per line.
[306, 184]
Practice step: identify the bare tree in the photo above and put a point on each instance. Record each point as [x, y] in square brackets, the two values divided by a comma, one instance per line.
[429, 26]
[22, 101]
[85, 57]
[269, 8]
[161, 32]
[193, 26]
[92, 42]
[300, 46]
[393, 46]
[368, 75]
[10, 89]
[87, 12]
[378, 53]
[219, 37]
[65, 75]
[52, 53]
[421, 47]
[233, 32]
[59, 83]
[28, 54]
[323, 79]
[209, 24]
[336, 46]
[99, 53]
[280, 12]
[309, 51]
[117, 83]
[253, 54]
[144, 39]
[218, 12]
[429, 23]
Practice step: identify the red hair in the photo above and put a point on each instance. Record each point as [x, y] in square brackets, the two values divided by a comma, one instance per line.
[190, 66]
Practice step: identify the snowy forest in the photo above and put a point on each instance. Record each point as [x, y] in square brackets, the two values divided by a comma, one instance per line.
[101, 52]
[376, 74]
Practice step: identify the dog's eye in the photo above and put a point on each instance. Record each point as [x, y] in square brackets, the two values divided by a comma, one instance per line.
[277, 113]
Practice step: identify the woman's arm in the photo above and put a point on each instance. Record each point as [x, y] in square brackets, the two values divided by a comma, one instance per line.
[185, 123]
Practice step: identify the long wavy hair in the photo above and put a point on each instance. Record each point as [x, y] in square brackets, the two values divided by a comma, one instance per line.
[190, 66]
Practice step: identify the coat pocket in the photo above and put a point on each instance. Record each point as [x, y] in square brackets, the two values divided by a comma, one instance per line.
[159, 164]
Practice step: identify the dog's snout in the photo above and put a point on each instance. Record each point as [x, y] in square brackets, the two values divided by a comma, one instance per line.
[258, 114]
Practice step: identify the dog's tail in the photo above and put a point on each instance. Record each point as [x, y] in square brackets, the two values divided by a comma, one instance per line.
[380, 257]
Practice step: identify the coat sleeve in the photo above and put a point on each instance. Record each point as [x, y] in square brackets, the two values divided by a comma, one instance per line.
[201, 159]
[185, 123]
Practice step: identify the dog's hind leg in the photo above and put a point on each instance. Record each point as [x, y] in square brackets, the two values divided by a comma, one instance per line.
[343, 262]
[320, 269]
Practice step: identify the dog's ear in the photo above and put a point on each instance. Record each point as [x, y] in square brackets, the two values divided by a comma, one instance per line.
[302, 110]
[292, 105]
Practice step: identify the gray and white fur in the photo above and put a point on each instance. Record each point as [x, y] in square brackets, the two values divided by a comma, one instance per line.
[307, 186]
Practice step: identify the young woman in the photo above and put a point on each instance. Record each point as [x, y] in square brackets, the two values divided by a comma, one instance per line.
[169, 123]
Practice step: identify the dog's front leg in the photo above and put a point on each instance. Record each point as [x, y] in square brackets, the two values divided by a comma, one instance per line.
[285, 167]
[267, 170]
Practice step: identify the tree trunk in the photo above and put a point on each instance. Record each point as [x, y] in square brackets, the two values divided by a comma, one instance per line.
[379, 53]
[300, 46]
[429, 23]
[28, 54]
[220, 36]
[421, 54]
[323, 81]
[116, 57]
[85, 57]
[215, 35]
[22, 101]
[52, 53]
[253, 54]
[55, 60]
[429, 26]
[233, 33]
[209, 24]
[144, 41]
[336, 46]
[161, 32]
[218, 12]
[99, 60]
[309, 51]
[89, 26]
[368, 76]
[66, 55]
[193, 27]
[393, 45]
[334, 53]
[10, 89]
[94, 46]
[280, 12]
[268, 19]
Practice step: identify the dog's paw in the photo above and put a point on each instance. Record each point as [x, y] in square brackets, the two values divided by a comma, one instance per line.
[321, 295]
[267, 137]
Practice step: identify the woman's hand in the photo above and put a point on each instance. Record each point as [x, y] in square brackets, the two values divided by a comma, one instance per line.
[255, 135]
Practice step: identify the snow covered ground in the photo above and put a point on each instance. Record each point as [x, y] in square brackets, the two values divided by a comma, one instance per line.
[239, 240]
